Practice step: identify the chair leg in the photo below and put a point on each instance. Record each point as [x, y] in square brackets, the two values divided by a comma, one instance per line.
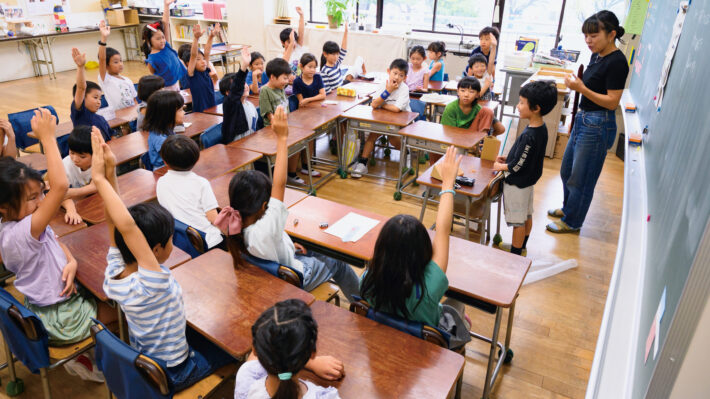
[459, 385]
[10, 361]
[45, 383]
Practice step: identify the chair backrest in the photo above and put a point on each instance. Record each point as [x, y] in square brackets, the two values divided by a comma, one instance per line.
[292, 103]
[104, 103]
[218, 97]
[495, 188]
[24, 333]
[20, 122]
[145, 161]
[414, 328]
[211, 136]
[285, 273]
[128, 373]
[189, 239]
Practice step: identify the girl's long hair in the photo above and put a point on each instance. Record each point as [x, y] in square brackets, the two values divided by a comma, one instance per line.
[248, 191]
[160, 113]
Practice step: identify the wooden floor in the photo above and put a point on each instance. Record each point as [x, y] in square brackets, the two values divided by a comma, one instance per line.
[556, 320]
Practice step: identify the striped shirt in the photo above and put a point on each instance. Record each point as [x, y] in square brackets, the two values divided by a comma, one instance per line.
[333, 75]
[152, 303]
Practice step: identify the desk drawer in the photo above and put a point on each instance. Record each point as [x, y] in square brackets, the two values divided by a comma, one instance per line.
[372, 126]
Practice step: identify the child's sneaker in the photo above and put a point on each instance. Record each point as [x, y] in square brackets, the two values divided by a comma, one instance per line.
[358, 170]
[295, 181]
[83, 367]
[506, 247]
[314, 172]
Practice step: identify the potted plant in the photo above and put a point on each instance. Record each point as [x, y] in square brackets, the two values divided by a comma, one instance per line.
[335, 9]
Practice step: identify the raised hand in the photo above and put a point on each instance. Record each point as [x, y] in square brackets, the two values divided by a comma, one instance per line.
[246, 56]
[299, 10]
[449, 167]
[98, 162]
[280, 122]
[79, 58]
[217, 28]
[494, 41]
[43, 124]
[197, 31]
[104, 29]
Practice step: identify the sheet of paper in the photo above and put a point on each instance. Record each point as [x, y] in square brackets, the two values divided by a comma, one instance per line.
[437, 98]
[670, 52]
[187, 124]
[659, 316]
[636, 16]
[352, 227]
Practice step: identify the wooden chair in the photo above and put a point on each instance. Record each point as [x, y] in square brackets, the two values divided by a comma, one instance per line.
[480, 210]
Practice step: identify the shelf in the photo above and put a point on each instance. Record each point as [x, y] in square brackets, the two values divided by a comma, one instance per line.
[149, 16]
[199, 18]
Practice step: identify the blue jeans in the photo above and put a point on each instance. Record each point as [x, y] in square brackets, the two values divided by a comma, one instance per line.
[593, 134]
[318, 268]
[419, 107]
[204, 358]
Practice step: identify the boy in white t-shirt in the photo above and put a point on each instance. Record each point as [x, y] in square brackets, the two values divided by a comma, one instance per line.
[292, 43]
[391, 96]
[118, 90]
[77, 166]
[185, 194]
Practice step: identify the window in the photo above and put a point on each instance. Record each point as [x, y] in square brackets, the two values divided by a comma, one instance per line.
[530, 18]
[408, 14]
[576, 12]
[470, 15]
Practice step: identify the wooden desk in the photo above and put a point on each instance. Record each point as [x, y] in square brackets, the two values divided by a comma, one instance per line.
[135, 187]
[61, 130]
[218, 160]
[90, 246]
[122, 117]
[220, 188]
[186, 96]
[313, 117]
[199, 123]
[345, 102]
[222, 303]
[363, 88]
[313, 211]
[434, 137]
[35, 161]
[129, 147]
[61, 228]
[219, 109]
[437, 86]
[263, 141]
[472, 167]
[481, 274]
[381, 362]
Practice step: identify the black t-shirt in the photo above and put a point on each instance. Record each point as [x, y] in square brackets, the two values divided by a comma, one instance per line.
[526, 157]
[602, 74]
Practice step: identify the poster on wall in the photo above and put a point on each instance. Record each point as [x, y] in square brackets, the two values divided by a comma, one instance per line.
[45, 7]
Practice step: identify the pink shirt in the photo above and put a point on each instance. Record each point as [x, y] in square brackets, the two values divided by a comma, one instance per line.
[38, 264]
[416, 79]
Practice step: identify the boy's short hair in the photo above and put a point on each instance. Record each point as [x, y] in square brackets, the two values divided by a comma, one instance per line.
[154, 221]
[79, 140]
[180, 152]
[400, 64]
[277, 67]
[90, 86]
[469, 82]
[286, 33]
[110, 52]
[226, 82]
[541, 94]
[184, 52]
[490, 30]
[477, 58]
[148, 85]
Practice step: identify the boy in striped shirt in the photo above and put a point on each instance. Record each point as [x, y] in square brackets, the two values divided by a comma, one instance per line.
[140, 240]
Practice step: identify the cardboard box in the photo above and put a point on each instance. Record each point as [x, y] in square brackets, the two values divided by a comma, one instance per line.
[122, 17]
[491, 148]
[560, 145]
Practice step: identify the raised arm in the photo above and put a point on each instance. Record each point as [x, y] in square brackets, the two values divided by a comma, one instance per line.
[9, 150]
[195, 49]
[288, 50]
[210, 37]
[492, 56]
[236, 89]
[43, 125]
[166, 20]
[344, 44]
[116, 210]
[105, 31]
[449, 168]
[279, 123]
[301, 26]
[80, 61]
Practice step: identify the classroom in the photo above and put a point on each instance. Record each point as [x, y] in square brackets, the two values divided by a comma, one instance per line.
[354, 199]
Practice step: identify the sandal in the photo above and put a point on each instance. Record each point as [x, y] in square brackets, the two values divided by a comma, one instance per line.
[561, 227]
[555, 213]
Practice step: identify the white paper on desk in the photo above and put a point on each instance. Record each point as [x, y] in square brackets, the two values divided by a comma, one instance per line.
[107, 112]
[352, 227]
[437, 98]
[187, 124]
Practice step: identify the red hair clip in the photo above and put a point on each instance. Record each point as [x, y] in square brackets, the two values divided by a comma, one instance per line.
[154, 26]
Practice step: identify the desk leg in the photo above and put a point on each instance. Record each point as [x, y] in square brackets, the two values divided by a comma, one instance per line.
[509, 329]
[339, 148]
[51, 59]
[491, 356]
[424, 202]
[33, 56]
[505, 92]
[311, 191]
[403, 168]
[468, 210]
[121, 328]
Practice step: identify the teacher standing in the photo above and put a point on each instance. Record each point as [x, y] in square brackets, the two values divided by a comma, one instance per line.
[594, 128]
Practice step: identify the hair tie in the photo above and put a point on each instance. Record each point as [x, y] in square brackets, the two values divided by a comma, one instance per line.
[154, 26]
[229, 220]
[285, 376]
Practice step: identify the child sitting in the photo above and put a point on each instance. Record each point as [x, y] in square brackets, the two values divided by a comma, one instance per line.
[436, 52]
[87, 99]
[417, 79]
[44, 267]
[292, 42]
[271, 96]
[147, 85]
[309, 86]
[198, 73]
[119, 90]
[256, 217]
[164, 111]
[392, 96]
[488, 44]
[77, 166]
[7, 139]
[331, 61]
[256, 77]
[284, 339]
[140, 241]
[162, 59]
[240, 115]
[523, 165]
[407, 275]
[478, 68]
[186, 195]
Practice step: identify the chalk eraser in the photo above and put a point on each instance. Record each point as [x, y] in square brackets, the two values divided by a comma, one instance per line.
[635, 138]
[630, 107]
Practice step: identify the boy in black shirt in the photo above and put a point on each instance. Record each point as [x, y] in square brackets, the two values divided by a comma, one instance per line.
[524, 161]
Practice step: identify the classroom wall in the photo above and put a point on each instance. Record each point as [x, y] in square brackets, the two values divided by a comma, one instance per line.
[692, 381]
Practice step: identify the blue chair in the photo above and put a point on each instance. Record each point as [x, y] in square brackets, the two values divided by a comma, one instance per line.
[20, 122]
[218, 97]
[325, 292]
[104, 103]
[446, 77]
[131, 374]
[145, 162]
[26, 338]
[211, 136]
[292, 103]
[189, 239]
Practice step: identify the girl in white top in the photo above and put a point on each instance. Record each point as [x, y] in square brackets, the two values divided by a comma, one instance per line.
[284, 339]
[118, 90]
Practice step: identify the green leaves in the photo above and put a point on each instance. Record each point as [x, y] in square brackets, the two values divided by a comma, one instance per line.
[336, 9]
